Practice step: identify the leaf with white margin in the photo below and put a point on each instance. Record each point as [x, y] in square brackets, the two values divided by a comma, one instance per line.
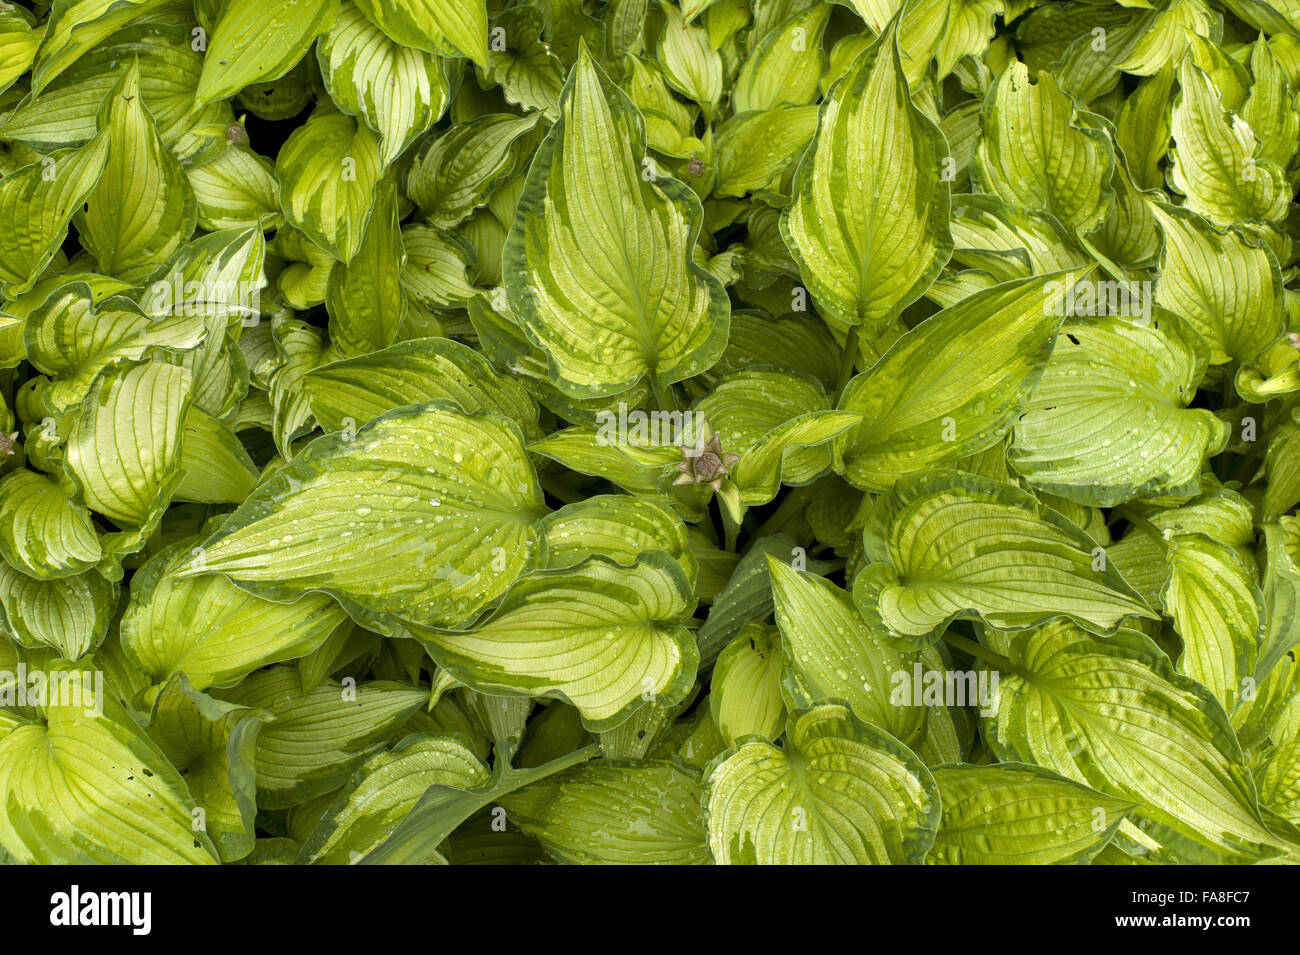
[72, 337]
[426, 514]
[410, 372]
[618, 526]
[745, 691]
[365, 298]
[1036, 153]
[212, 743]
[385, 789]
[1216, 159]
[779, 424]
[70, 614]
[607, 639]
[1111, 713]
[399, 91]
[44, 532]
[598, 264]
[868, 224]
[318, 738]
[529, 75]
[1217, 609]
[124, 450]
[841, 792]
[445, 27]
[84, 788]
[209, 629]
[462, 168]
[955, 383]
[1018, 814]
[786, 66]
[218, 274]
[615, 812]
[1226, 287]
[37, 203]
[946, 544]
[236, 189]
[142, 209]
[328, 170]
[1109, 420]
[833, 653]
[255, 42]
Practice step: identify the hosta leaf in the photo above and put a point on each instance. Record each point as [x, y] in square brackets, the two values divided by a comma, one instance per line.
[399, 91]
[1036, 152]
[83, 788]
[841, 792]
[463, 167]
[1015, 814]
[954, 384]
[610, 298]
[1112, 714]
[832, 653]
[529, 74]
[745, 696]
[425, 514]
[614, 812]
[620, 527]
[209, 629]
[690, 63]
[385, 789]
[607, 639]
[37, 203]
[70, 614]
[252, 43]
[328, 170]
[76, 26]
[436, 266]
[868, 224]
[130, 484]
[424, 369]
[947, 544]
[755, 148]
[18, 46]
[365, 298]
[1109, 420]
[319, 737]
[445, 27]
[213, 744]
[786, 65]
[1217, 609]
[44, 532]
[1281, 588]
[217, 469]
[236, 189]
[1216, 157]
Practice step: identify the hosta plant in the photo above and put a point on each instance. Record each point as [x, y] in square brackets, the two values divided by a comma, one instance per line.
[632, 431]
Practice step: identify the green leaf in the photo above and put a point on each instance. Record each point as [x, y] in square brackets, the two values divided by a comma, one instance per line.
[235, 190]
[130, 484]
[445, 27]
[365, 298]
[217, 469]
[398, 91]
[1038, 153]
[753, 149]
[37, 203]
[690, 63]
[868, 223]
[610, 299]
[607, 639]
[318, 738]
[1109, 420]
[745, 695]
[209, 629]
[75, 27]
[1217, 163]
[529, 74]
[1113, 715]
[44, 532]
[954, 384]
[619, 527]
[615, 812]
[1281, 591]
[253, 43]
[946, 544]
[68, 614]
[1217, 609]
[142, 208]
[426, 515]
[840, 792]
[786, 65]
[385, 789]
[328, 170]
[83, 788]
[1015, 814]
